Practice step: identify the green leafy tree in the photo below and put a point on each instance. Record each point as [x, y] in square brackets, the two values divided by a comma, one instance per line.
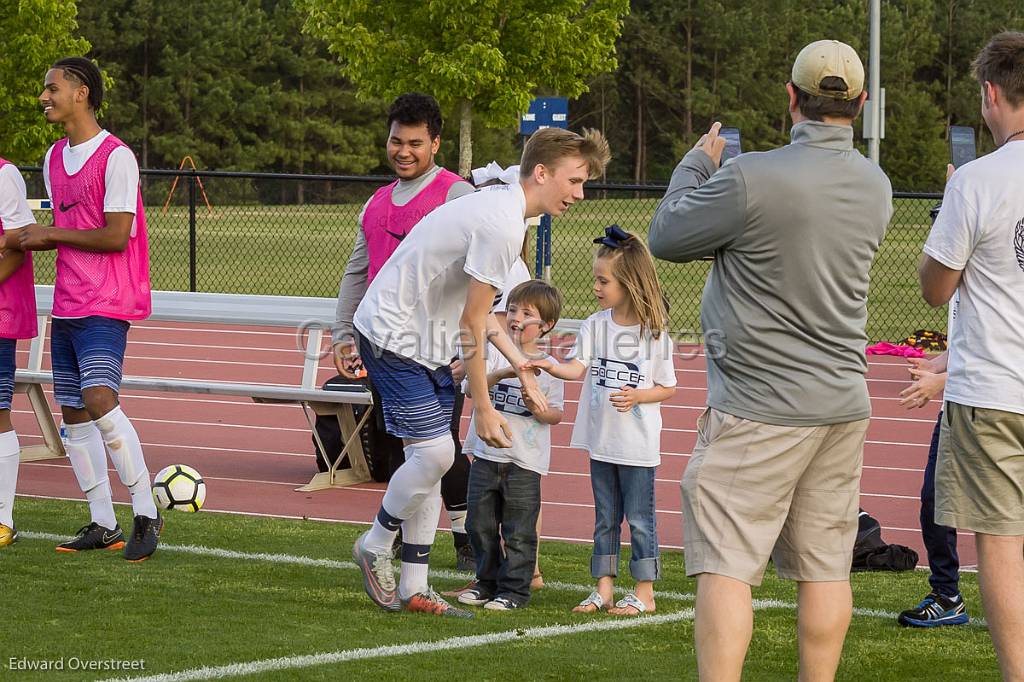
[36, 33]
[485, 58]
[262, 96]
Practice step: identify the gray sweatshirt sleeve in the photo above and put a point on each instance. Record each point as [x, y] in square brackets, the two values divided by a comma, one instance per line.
[459, 189]
[703, 210]
[352, 288]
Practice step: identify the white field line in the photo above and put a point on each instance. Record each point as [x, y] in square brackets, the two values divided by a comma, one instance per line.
[451, 643]
[554, 585]
[460, 643]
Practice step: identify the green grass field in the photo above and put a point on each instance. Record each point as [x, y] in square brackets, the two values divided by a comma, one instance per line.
[225, 590]
[302, 251]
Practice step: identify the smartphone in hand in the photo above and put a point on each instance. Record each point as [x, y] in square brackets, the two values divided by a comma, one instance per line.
[961, 145]
[733, 147]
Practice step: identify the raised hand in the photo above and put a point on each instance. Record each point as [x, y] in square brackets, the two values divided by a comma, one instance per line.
[712, 144]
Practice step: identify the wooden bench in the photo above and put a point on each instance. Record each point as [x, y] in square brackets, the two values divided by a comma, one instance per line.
[308, 316]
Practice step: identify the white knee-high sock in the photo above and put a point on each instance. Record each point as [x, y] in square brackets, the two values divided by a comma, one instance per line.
[458, 520]
[426, 461]
[418, 533]
[125, 452]
[89, 462]
[9, 452]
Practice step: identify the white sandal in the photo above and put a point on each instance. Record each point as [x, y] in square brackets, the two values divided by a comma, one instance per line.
[632, 600]
[593, 599]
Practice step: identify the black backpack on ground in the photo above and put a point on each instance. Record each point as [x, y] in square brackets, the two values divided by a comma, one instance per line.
[378, 445]
[872, 553]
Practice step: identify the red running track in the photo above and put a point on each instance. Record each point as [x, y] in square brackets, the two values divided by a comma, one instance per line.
[254, 456]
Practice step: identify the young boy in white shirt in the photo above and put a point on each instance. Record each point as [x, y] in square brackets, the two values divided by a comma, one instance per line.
[504, 483]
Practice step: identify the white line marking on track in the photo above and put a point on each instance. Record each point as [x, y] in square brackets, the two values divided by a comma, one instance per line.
[179, 446]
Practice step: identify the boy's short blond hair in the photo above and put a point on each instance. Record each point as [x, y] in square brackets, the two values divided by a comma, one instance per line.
[542, 296]
[548, 146]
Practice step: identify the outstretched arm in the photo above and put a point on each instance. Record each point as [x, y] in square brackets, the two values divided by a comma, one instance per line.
[492, 428]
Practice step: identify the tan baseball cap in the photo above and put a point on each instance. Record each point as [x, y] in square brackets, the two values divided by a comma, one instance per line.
[825, 58]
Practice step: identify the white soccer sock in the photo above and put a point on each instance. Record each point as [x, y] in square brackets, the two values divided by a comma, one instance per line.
[426, 461]
[125, 452]
[458, 520]
[9, 451]
[89, 462]
[418, 533]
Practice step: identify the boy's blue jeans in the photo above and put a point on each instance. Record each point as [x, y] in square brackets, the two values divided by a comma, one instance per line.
[622, 491]
[503, 498]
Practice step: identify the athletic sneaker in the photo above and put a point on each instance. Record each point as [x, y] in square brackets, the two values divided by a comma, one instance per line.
[8, 535]
[465, 560]
[144, 538]
[475, 595]
[502, 604]
[935, 610]
[431, 602]
[93, 536]
[378, 575]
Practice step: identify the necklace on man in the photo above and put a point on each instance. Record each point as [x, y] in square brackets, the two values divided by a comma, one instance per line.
[1012, 135]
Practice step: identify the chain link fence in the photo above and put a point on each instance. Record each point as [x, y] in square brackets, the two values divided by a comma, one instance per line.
[266, 233]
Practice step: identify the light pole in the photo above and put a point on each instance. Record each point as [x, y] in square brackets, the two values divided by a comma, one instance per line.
[874, 84]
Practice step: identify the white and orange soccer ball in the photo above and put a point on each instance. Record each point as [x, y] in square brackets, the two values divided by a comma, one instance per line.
[180, 487]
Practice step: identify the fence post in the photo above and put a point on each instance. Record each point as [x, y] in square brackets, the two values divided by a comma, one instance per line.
[545, 229]
[538, 270]
[192, 231]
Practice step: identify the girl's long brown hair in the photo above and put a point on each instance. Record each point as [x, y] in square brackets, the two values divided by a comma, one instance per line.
[633, 265]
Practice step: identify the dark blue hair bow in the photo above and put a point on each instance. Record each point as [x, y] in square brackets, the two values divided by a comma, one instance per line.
[614, 237]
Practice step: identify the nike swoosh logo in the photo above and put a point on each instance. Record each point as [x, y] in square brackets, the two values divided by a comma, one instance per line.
[420, 555]
[399, 237]
[64, 208]
[109, 538]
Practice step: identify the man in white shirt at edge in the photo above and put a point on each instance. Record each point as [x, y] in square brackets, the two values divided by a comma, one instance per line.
[976, 246]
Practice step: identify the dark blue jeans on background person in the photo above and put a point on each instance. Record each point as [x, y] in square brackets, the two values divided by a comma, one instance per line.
[939, 541]
[503, 498]
[622, 491]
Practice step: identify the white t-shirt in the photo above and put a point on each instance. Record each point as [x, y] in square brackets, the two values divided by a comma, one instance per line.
[519, 274]
[616, 357]
[980, 230]
[413, 306]
[952, 314]
[121, 177]
[531, 439]
[14, 211]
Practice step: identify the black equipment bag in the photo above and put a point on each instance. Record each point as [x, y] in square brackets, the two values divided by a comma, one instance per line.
[872, 553]
[377, 444]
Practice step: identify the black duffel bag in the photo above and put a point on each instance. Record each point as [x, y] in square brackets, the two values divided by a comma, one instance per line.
[872, 553]
[378, 445]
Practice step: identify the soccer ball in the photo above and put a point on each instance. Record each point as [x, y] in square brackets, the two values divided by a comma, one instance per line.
[179, 486]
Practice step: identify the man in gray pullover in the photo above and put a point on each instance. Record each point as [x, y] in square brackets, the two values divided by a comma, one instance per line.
[775, 472]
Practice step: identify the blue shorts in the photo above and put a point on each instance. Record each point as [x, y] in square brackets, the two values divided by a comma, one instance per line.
[7, 347]
[417, 401]
[86, 353]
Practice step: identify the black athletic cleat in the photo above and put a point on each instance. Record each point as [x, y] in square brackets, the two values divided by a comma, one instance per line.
[144, 538]
[93, 536]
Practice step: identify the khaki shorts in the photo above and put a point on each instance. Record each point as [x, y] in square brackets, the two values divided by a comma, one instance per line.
[979, 475]
[753, 491]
